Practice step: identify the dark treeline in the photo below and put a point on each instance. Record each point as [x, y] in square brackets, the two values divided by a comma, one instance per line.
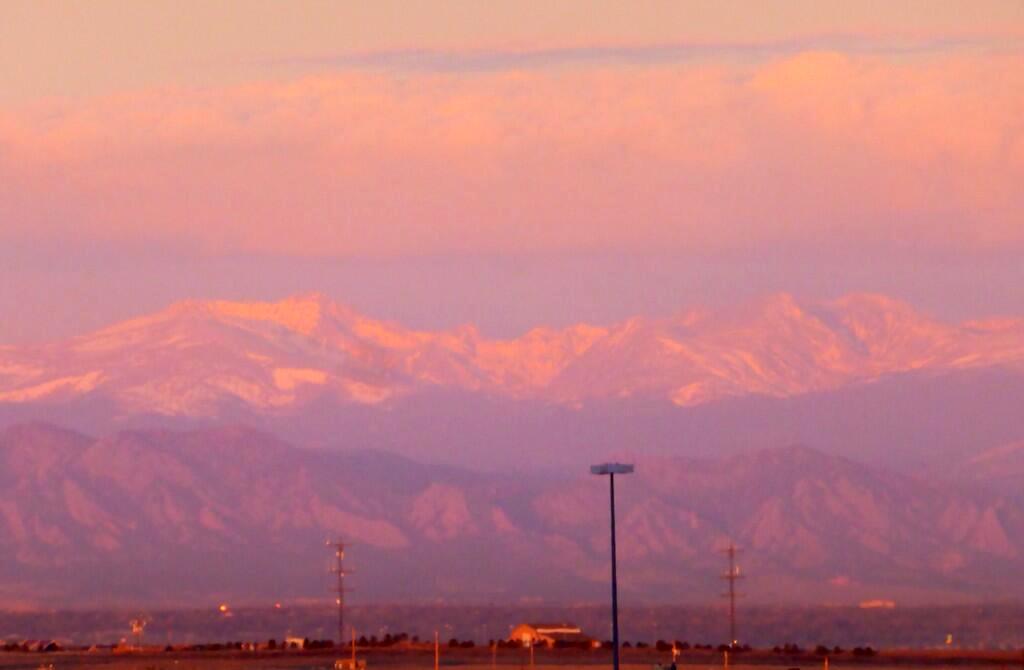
[971, 627]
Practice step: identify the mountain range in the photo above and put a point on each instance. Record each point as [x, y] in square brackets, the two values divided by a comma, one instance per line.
[195, 358]
[864, 376]
[208, 451]
[197, 517]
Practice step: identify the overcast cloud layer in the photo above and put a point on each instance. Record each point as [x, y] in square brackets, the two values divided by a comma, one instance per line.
[511, 165]
[818, 149]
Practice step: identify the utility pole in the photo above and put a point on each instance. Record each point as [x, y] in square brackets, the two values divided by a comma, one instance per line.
[138, 625]
[731, 576]
[339, 572]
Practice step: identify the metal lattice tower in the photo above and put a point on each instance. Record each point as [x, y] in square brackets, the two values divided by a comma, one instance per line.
[731, 576]
[339, 571]
[138, 626]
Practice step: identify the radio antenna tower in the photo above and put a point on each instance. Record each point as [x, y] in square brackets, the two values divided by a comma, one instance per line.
[731, 576]
[138, 625]
[339, 572]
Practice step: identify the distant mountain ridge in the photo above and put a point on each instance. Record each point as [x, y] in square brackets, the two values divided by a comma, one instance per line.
[197, 358]
[185, 517]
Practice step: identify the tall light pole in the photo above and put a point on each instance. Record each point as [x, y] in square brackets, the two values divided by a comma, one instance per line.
[612, 469]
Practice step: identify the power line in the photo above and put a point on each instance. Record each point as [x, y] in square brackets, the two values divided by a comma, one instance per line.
[339, 589]
[138, 626]
[731, 576]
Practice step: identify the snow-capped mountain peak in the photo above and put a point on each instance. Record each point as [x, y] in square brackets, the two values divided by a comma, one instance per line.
[195, 357]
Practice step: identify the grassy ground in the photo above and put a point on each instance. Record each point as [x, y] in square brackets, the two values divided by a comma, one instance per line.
[508, 659]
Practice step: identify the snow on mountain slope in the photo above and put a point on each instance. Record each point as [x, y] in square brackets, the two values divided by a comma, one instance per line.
[197, 358]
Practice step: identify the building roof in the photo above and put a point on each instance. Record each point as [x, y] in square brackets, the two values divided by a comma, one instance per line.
[554, 627]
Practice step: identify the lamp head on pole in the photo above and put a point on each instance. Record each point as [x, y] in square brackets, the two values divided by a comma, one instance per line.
[611, 469]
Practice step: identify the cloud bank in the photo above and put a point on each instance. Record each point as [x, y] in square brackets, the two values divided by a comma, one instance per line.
[825, 150]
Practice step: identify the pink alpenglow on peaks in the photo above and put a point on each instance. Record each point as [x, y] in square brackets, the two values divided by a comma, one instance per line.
[195, 356]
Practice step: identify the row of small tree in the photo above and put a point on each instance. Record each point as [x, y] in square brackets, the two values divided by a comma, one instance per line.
[45, 646]
[822, 650]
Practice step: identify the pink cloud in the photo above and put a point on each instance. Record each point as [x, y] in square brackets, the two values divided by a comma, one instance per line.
[812, 149]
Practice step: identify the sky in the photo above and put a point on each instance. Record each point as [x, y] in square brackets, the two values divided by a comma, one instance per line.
[507, 163]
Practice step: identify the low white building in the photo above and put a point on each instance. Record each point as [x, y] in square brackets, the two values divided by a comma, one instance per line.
[550, 635]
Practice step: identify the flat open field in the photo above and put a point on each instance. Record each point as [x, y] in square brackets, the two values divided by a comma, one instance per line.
[508, 659]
